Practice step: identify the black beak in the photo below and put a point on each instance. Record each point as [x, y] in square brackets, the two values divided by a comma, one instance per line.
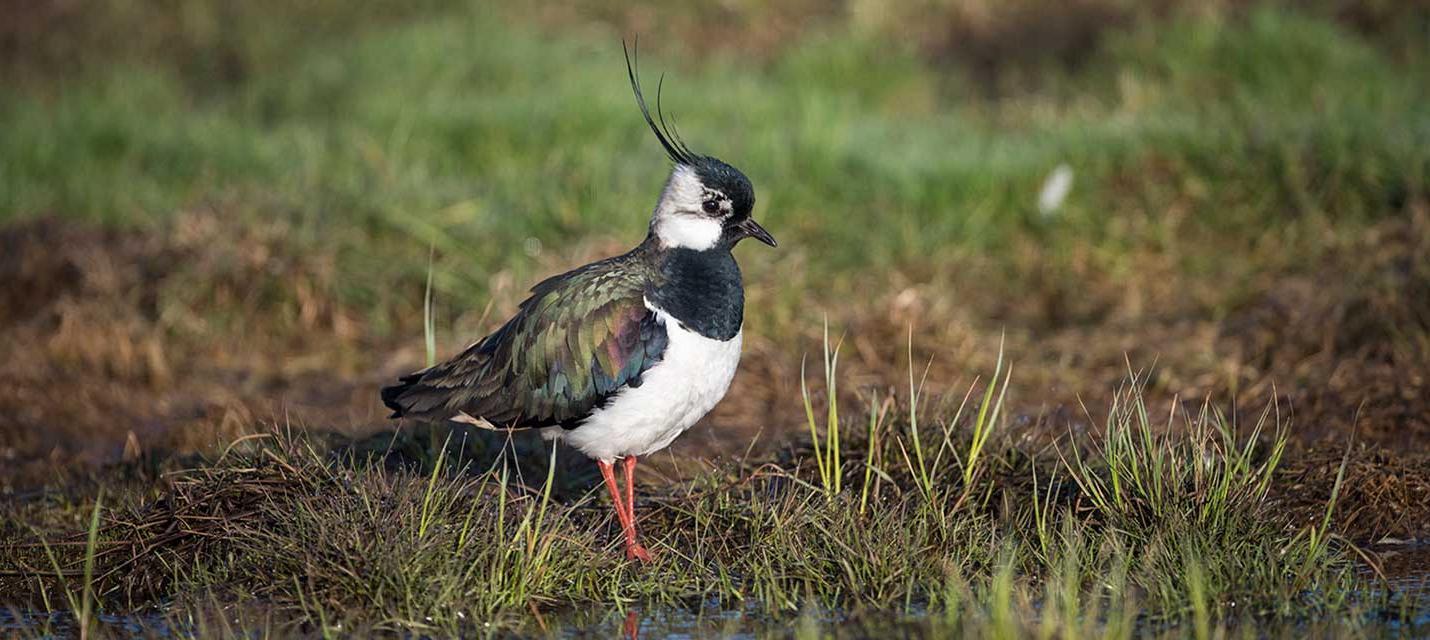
[750, 228]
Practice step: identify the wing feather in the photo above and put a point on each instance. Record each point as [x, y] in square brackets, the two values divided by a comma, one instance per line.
[581, 337]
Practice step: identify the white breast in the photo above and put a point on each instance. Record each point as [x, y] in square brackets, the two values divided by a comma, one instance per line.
[692, 376]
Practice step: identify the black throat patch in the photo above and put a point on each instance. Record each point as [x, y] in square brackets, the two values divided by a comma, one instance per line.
[702, 291]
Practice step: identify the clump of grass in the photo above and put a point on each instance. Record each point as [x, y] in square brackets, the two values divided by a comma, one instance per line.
[1189, 498]
[449, 547]
[1141, 473]
[924, 465]
[988, 418]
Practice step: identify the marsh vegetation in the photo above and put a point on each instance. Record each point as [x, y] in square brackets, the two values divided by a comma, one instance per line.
[1188, 398]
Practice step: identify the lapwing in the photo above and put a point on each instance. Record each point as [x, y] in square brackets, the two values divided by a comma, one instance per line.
[620, 356]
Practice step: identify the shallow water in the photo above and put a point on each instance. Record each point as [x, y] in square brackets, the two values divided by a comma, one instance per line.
[680, 624]
[39, 624]
[1404, 575]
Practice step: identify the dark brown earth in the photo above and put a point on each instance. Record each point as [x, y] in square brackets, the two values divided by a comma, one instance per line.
[104, 358]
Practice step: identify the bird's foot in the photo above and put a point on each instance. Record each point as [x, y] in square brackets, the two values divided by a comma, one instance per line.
[635, 551]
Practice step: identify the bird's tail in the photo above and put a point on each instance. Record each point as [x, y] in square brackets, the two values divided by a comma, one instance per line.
[393, 396]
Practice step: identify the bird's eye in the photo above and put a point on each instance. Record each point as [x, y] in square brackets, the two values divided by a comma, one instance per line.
[711, 206]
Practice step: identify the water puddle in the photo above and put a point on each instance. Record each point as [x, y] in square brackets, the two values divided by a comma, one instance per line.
[1404, 575]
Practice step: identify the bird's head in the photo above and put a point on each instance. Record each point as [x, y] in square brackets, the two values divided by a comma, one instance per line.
[706, 203]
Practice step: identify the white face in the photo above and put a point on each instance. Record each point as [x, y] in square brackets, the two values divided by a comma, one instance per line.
[680, 218]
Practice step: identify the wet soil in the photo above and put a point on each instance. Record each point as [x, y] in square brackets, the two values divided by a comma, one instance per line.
[143, 345]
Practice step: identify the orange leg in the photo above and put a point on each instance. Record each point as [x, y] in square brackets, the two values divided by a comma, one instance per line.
[608, 472]
[634, 550]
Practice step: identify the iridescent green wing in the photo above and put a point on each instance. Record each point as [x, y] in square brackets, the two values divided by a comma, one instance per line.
[581, 337]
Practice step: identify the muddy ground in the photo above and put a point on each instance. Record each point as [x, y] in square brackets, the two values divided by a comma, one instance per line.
[107, 364]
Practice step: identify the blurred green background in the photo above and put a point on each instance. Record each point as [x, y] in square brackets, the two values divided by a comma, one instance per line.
[878, 136]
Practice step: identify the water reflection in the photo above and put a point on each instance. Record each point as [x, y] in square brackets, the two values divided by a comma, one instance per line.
[633, 625]
[1407, 588]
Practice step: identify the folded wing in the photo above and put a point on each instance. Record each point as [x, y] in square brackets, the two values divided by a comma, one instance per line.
[581, 337]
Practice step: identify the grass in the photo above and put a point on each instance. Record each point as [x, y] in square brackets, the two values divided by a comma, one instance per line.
[83, 605]
[827, 452]
[196, 227]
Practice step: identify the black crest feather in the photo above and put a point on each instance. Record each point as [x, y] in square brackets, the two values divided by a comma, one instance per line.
[669, 138]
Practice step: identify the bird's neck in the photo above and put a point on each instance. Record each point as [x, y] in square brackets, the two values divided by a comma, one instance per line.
[702, 290]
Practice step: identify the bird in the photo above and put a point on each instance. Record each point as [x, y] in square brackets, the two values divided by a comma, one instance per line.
[618, 357]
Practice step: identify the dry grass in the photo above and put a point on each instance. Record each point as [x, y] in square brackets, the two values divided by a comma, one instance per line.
[118, 329]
